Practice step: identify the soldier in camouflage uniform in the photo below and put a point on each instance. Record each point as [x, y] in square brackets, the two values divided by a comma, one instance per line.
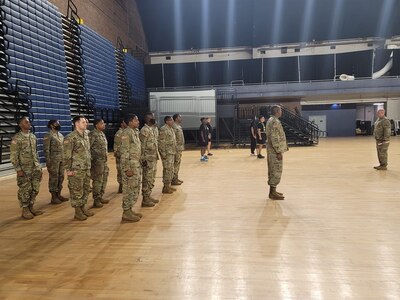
[99, 168]
[276, 146]
[149, 159]
[77, 162]
[180, 146]
[53, 151]
[131, 168]
[382, 132]
[117, 154]
[25, 160]
[167, 150]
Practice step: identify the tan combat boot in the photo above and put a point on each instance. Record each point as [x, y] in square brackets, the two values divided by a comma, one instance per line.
[104, 201]
[35, 212]
[147, 202]
[63, 199]
[129, 216]
[87, 212]
[97, 204]
[153, 199]
[137, 214]
[79, 215]
[166, 189]
[26, 213]
[175, 182]
[274, 195]
[54, 198]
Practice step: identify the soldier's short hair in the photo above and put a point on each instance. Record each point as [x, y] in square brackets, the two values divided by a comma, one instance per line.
[260, 117]
[77, 119]
[167, 118]
[129, 118]
[275, 109]
[22, 118]
[51, 122]
[97, 121]
[202, 119]
[175, 116]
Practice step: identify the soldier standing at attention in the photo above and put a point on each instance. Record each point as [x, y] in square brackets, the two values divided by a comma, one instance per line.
[77, 162]
[131, 168]
[53, 152]
[382, 132]
[149, 159]
[167, 150]
[25, 159]
[180, 146]
[117, 153]
[99, 168]
[276, 146]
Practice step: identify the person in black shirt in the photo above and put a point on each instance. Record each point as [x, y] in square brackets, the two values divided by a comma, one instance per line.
[253, 135]
[209, 136]
[261, 135]
[203, 138]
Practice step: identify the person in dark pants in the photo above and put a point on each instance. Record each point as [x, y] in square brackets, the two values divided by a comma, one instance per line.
[203, 139]
[209, 137]
[261, 135]
[253, 136]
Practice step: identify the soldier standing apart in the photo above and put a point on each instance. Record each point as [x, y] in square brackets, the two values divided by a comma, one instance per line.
[117, 153]
[382, 132]
[131, 168]
[77, 162]
[53, 151]
[167, 150]
[180, 146]
[276, 146]
[25, 160]
[99, 168]
[149, 159]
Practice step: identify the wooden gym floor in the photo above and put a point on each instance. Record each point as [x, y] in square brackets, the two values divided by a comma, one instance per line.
[336, 236]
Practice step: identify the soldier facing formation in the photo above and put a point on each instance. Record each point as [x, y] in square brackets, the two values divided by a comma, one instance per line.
[382, 132]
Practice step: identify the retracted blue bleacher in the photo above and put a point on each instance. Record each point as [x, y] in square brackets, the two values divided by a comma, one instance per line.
[135, 77]
[37, 57]
[100, 69]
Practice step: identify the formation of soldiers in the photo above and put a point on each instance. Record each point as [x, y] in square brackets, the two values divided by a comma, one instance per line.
[82, 154]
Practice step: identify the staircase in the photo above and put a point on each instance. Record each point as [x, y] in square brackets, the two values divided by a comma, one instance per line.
[80, 102]
[298, 130]
[14, 100]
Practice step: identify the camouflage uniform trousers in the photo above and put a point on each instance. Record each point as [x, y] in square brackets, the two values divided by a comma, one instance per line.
[56, 176]
[131, 188]
[274, 169]
[79, 187]
[168, 168]
[148, 178]
[29, 186]
[382, 153]
[119, 169]
[99, 174]
[177, 164]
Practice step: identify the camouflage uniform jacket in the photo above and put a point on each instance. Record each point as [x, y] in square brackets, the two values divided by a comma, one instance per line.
[166, 141]
[130, 149]
[24, 156]
[180, 138]
[117, 143]
[382, 130]
[53, 146]
[149, 143]
[77, 151]
[276, 138]
[98, 145]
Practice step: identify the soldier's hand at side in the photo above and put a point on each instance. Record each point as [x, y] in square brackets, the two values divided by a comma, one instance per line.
[279, 156]
[70, 173]
[20, 173]
[129, 173]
